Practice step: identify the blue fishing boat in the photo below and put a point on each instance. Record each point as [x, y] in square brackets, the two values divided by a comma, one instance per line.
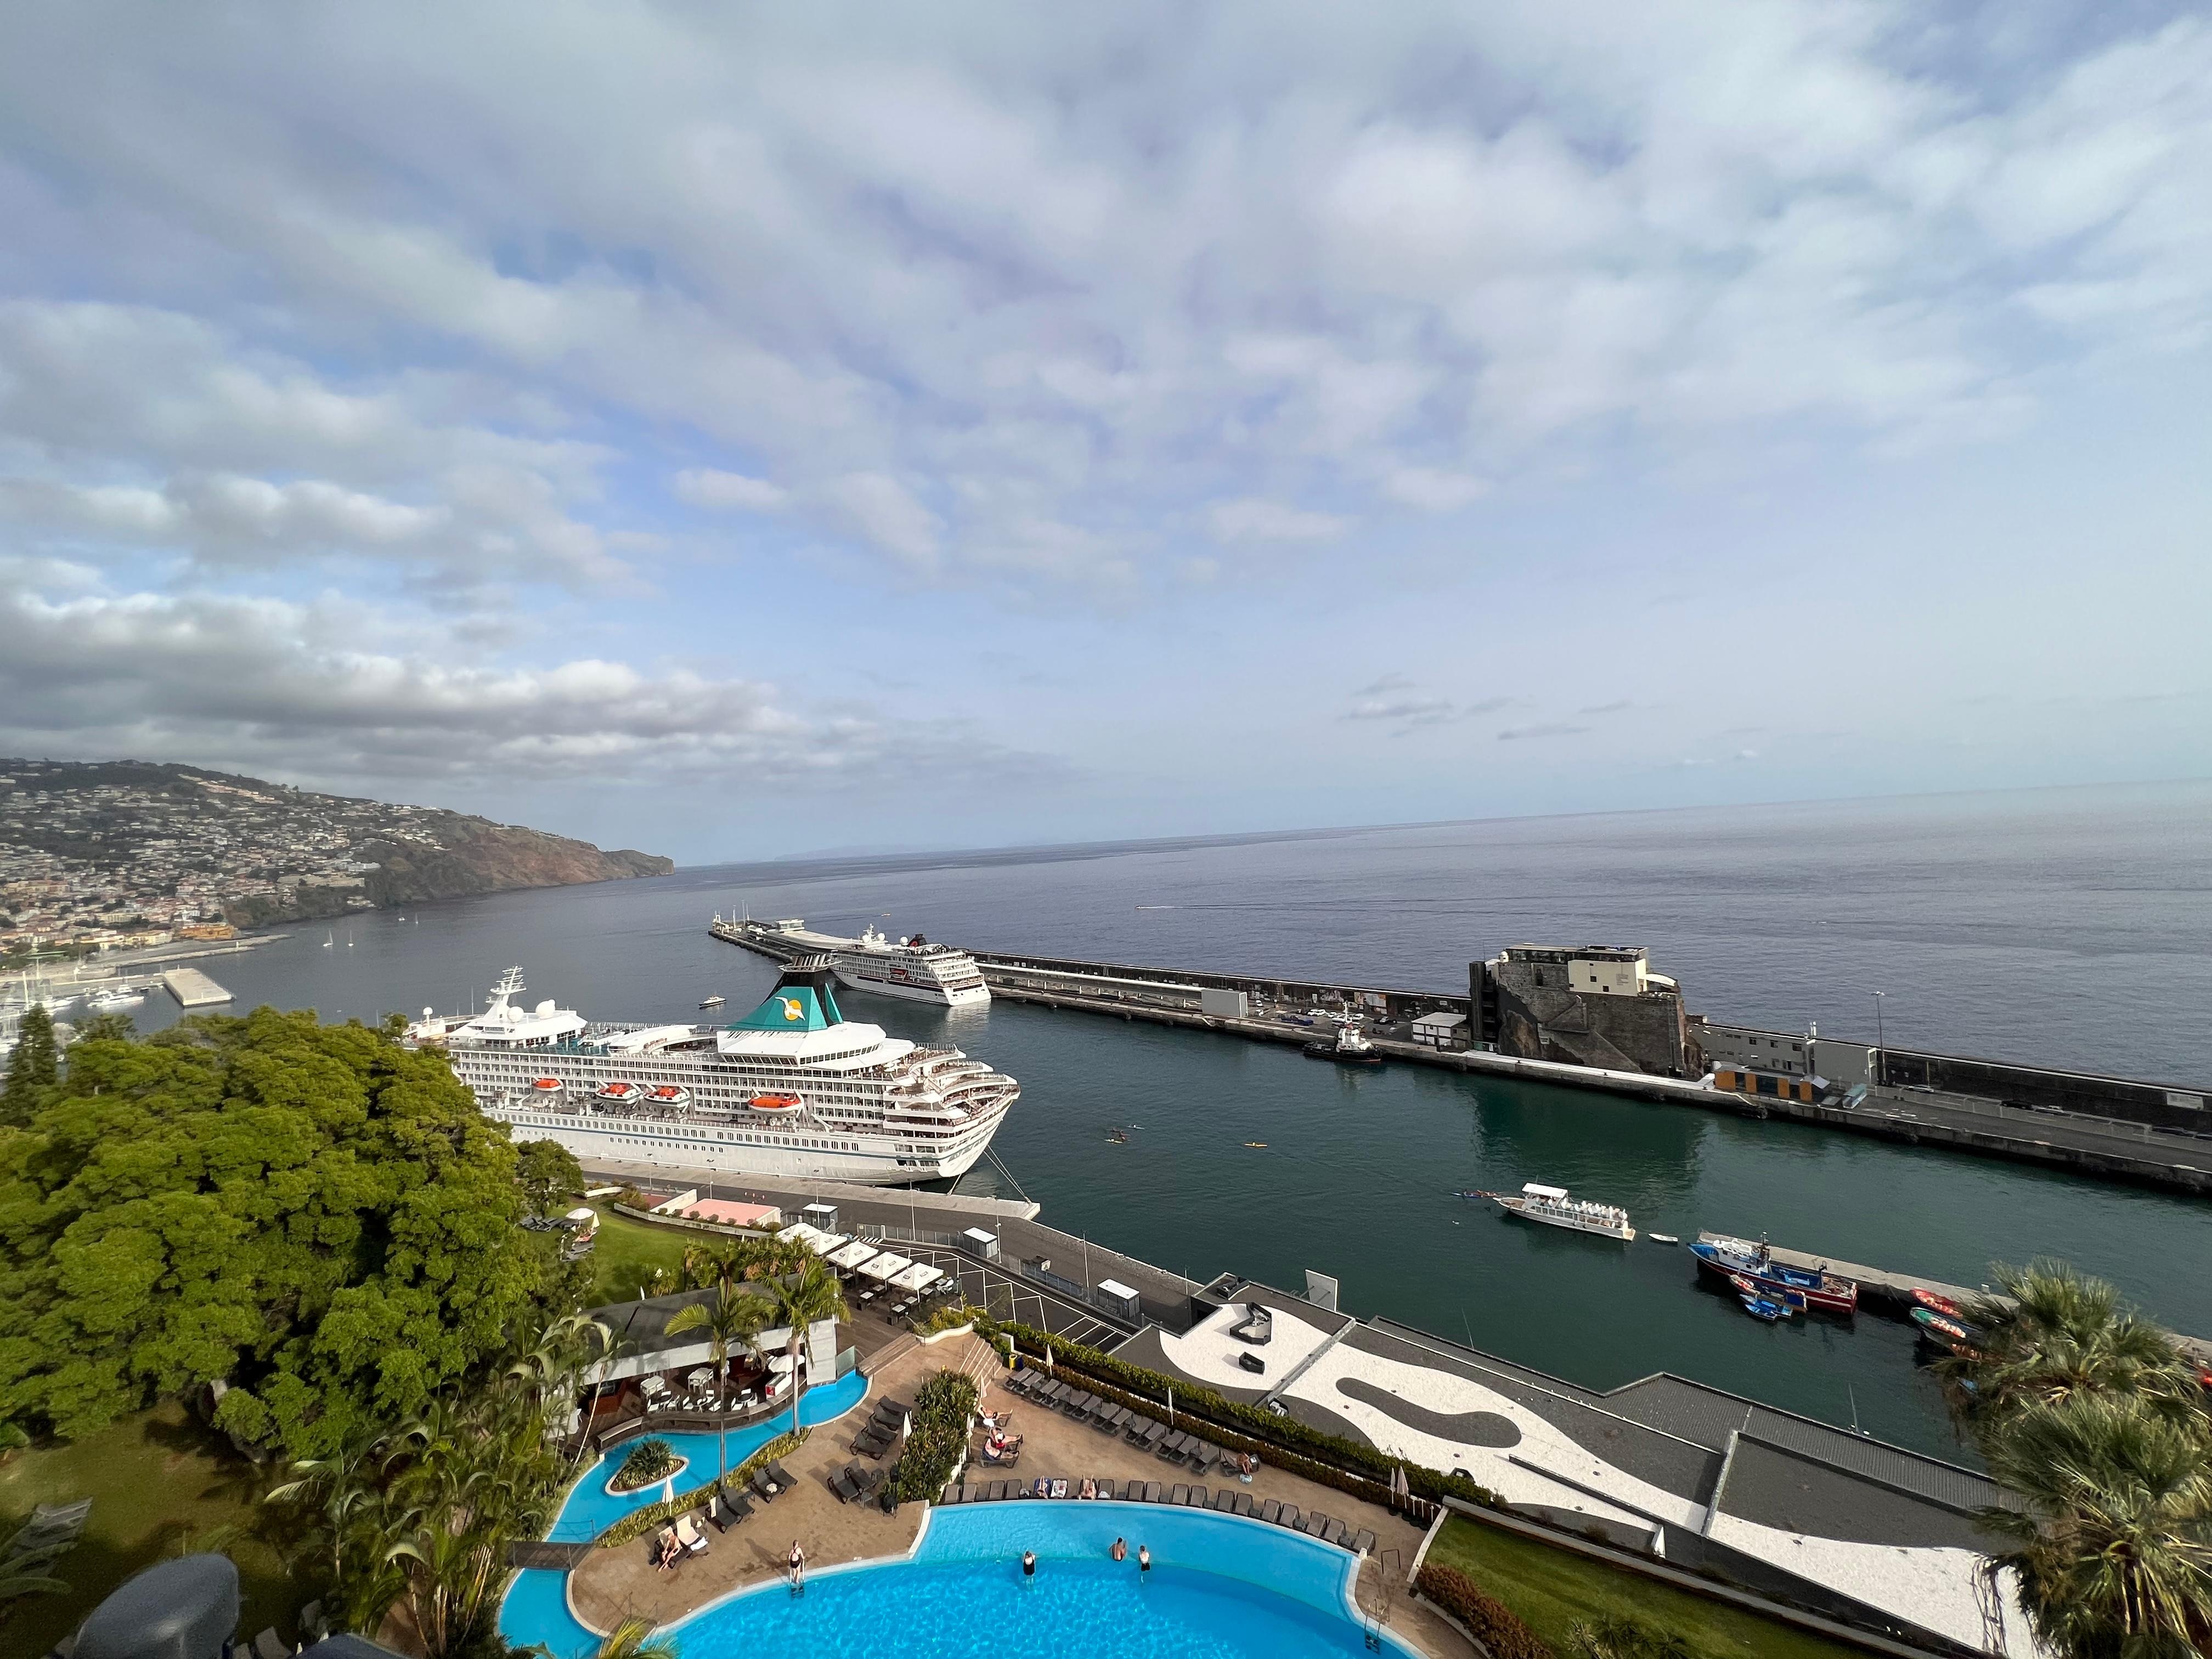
[1766, 1308]
[1755, 1261]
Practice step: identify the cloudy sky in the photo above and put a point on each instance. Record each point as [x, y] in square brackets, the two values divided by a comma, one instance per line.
[734, 431]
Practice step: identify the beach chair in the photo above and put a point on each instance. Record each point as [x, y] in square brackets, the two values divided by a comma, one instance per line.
[781, 1476]
[1197, 1498]
[1059, 1487]
[1106, 1489]
[1136, 1428]
[1178, 1494]
[761, 1486]
[1109, 1417]
[841, 1484]
[1243, 1505]
[1337, 1533]
[689, 1535]
[1317, 1524]
[953, 1494]
[866, 1478]
[1171, 1447]
[1151, 1491]
[1039, 1487]
[1271, 1511]
[1363, 1542]
[1002, 1491]
[1225, 1502]
[1080, 1404]
[739, 1508]
[1288, 1517]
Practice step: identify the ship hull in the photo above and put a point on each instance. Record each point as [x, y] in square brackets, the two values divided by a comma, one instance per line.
[1825, 1299]
[974, 996]
[596, 1137]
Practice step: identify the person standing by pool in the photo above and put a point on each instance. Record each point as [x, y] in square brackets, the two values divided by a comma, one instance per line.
[1144, 1563]
[1121, 1550]
[1028, 1568]
[797, 1563]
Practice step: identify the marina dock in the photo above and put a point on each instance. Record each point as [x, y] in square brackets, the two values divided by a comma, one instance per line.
[1891, 1292]
[193, 989]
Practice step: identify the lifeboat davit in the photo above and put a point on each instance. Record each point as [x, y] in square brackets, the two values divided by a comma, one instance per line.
[774, 1102]
[546, 1085]
[668, 1093]
[618, 1094]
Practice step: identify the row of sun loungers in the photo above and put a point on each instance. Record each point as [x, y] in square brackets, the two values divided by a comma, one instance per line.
[1076, 1402]
[856, 1480]
[1223, 1501]
[882, 1430]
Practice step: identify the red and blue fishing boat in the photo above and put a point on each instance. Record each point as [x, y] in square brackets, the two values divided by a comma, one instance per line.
[1816, 1289]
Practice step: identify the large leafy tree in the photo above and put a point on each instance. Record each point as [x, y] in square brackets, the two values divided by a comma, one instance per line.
[32, 1067]
[548, 1172]
[311, 1214]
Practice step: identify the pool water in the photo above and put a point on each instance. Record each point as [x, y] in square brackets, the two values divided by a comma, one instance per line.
[1219, 1588]
[591, 1509]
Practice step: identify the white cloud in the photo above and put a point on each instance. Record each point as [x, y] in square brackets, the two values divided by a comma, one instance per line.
[885, 512]
[1432, 490]
[705, 487]
[1251, 519]
[319, 690]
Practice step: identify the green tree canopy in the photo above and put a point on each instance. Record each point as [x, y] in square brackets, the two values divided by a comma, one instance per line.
[32, 1067]
[309, 1213]
[549, 1172]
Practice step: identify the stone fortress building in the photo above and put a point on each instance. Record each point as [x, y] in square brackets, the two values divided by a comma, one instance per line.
[1590, 1005]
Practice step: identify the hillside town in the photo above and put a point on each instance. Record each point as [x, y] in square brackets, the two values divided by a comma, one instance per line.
[96, 855]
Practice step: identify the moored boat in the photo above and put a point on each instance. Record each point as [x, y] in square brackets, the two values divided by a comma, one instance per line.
[1945, 1332]
[1555, 1207]
[1757, 1303]
[1935, 1304]
[1827, 1291]
[1350, 1048]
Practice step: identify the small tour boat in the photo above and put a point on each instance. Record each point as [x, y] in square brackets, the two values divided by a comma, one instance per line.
[674, 1095]
[618, 1094]
[776, 1102]
[715, 1001]
[1554, 1207]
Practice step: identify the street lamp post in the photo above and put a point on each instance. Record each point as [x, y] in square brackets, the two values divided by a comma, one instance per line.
[1880, 1046]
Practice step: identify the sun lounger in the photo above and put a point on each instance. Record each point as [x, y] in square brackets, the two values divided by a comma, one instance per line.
[1059, 1487]
[1225, 1502]
[868, 1445]
[952, 1494]
[689, 1535]
[895, 1407]
[1271, 1511]
[1151, 1491]
[1080, 1404]
[1202, 1456]
[1105, 1489]
[1109, 1417]
[1337, 1534]
[1363, 1542]
[1137, 1428]
[1243, 1505]
[1178, 1494]
[781, 1476]
[761, 1484]
[841, 1484]
[1317, 1524]
[1197, 1499]
[1288, 1517]
[1173, 1448]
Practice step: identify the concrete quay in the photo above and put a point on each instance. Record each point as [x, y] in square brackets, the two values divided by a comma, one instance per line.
[2096, 1146]
[193, 989]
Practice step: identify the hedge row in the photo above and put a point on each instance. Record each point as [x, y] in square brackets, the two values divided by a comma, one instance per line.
[1281, 1434]
[943, 1407]
[638, 1523]
[1492, 1623]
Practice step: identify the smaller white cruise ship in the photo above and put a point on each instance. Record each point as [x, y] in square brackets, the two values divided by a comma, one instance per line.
[1554, 1207]
[911, 968]
[793, 1089]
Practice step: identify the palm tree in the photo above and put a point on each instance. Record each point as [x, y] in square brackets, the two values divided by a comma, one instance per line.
[2054, 1334]
[633, 1639]
[796, 1300]
[732, 1319]
[1624, 1639]
[2114, 1547]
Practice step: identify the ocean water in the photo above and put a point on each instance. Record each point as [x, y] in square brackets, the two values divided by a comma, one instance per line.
[2071, 927]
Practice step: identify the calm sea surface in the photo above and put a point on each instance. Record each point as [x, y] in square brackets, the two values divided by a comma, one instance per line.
[2073, 928]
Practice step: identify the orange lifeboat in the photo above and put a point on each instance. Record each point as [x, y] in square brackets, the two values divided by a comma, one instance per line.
[668, 1093]
[620, 1094]
[546, 1085]
[774, 1102]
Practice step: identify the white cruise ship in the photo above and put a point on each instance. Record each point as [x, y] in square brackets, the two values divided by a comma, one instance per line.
[793, 1089]
[911, 968]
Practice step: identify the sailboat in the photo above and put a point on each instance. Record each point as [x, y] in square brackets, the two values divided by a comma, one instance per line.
[329, 940]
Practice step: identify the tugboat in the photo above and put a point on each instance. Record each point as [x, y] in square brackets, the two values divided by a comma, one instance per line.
[1730, 1256]
[1350, 1048]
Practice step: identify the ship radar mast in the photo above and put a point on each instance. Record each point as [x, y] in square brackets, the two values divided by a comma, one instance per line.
[509, 987]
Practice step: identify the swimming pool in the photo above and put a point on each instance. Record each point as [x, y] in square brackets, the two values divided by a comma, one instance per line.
[1219, 1588]
[591, 1509]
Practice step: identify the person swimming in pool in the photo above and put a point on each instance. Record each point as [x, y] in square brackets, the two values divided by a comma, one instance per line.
[1029, 1567]
[1144, 1562]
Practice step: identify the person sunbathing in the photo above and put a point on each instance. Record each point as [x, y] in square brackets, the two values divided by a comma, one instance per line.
[1089, 1488]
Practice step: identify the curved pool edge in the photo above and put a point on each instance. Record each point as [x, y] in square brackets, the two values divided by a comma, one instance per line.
[1347, 1584]
[592, 1635]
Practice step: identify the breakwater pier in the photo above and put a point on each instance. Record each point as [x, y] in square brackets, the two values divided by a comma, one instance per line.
[2111, 1128]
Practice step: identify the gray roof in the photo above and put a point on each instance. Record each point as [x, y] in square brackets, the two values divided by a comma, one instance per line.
[1796, 1493]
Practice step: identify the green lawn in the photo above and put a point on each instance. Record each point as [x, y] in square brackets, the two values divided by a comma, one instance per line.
[1552, 1589]
[626, 1251]
[160, 1486]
